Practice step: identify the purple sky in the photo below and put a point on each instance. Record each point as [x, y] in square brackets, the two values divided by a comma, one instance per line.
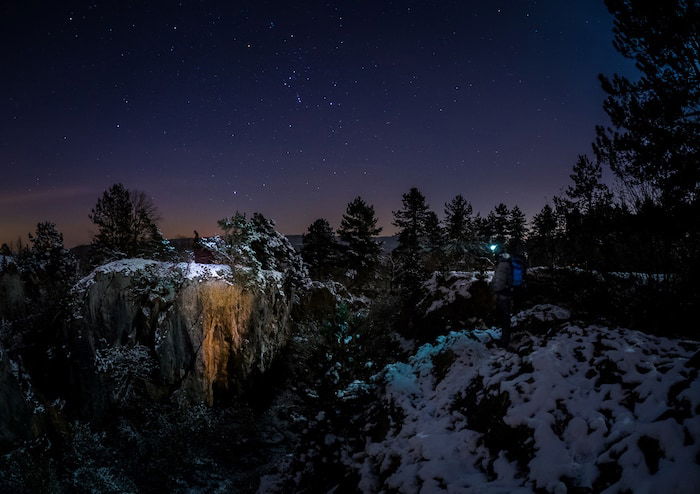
[293, 108]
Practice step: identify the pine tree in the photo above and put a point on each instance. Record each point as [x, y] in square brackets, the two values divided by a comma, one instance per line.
[236, 250]
[542, 242]
[434, 243]
[434, 233]
[654, 141]
[49, 272]
[274, 250]
[498, 222]
[587, 212]
[320, 249]
[587, 191]
[459, 228]
[126, 223]
[517, 231]
[482, 228]
[358, 229]
[51, 267]
[256, 244]
[412, 221]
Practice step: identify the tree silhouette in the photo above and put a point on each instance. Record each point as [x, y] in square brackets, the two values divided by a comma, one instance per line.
[654, 141]
[126, 222]
[358, 229]
[320, 249]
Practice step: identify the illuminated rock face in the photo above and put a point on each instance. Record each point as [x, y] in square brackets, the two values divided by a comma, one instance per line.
[204, 335]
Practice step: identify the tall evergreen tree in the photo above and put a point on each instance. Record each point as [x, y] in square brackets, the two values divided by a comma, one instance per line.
[517, 231]
[254, 242]
[49, 272]
[239, 233]
[434, 233]
[434, 244]
[482, 228]
[459, 228]
[542, 242]
[587, 211]
[51, 267]
[654, 141]
[498, 223]
[412, 221]
[358, 229]
[587, 191]
[320, 249]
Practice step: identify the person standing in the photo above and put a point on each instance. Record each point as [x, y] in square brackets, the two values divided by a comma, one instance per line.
[502, 287]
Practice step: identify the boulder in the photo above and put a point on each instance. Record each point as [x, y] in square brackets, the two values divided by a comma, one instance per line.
[12, 294]
[197, 330]
[540, 318]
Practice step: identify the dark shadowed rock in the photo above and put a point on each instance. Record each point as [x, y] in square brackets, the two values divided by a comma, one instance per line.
[12, 294]
[16, 411]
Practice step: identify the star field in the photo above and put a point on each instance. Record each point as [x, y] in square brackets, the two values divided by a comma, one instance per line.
[293, 108]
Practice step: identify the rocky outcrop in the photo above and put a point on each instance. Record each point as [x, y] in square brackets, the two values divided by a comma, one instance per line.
[12, 294]
[198, 331]
[17, 404]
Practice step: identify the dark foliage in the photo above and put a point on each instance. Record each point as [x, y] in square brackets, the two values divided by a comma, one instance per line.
[40, 336]
[517, 231]
[320, 249]
[361, 251]
[416, 224]
[654, 142]
[126, 226]
[542, 243]
[459, 232]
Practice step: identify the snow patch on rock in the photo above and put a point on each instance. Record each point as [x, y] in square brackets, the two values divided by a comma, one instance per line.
[543, 313]
[445, 288]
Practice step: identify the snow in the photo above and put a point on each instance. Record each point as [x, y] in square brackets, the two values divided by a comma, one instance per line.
[445, 288]
[193, 270]
[187, 270]
[190, 270]
[625, 275]
[542, 313]
[586, 396]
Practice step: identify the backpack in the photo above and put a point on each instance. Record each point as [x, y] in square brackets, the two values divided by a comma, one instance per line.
[517, 272]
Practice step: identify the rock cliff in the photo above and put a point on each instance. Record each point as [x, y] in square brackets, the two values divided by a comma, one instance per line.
[196, 330]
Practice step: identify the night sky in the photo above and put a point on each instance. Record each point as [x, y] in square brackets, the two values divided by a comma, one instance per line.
[293, 108]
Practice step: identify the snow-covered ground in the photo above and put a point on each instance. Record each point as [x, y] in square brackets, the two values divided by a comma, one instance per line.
[606, 410]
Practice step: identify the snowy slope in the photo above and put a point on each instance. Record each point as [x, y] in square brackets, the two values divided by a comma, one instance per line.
[589, 407]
